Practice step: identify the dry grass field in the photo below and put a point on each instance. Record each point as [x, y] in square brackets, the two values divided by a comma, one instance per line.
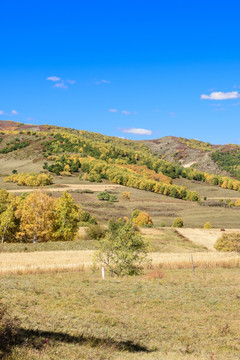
[62, 261]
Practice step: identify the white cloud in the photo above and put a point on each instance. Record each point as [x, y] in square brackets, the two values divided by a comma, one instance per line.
[137, 131]
[2, 112]
[125, 112]
[54, 78]
[70, 81]
[219, 109]
[99, 82]
[14, 112]
[113, 110]
[219, 95]
[60, 85]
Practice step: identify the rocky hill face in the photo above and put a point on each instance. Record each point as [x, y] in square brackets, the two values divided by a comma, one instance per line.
[187, 154]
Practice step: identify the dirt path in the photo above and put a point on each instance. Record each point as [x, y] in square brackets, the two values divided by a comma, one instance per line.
[65, 187]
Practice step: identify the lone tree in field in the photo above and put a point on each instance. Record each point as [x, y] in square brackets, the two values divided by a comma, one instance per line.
[123, 250]
[207, 225]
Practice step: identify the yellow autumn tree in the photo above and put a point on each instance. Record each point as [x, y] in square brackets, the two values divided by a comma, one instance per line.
[36, 214]
[9, 224]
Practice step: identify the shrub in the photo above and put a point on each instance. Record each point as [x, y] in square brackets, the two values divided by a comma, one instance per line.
[228, 242]
[113, 198]
[237, 203]
[178, 222]
[162, 224]
[155, 274]
[126, 195]
[95, 232]
[104, 196]
[144, 219]
[207, 225]
[135, 214]
[86, 217]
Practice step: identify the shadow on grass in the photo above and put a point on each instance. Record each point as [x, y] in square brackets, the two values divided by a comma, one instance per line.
[38, 339]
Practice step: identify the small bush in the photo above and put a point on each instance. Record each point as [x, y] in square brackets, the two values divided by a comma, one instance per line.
[135, 214]
[207, 225]
[162, 224]
[103, 196]
[95, 232]
[126, 195]
[144, 219]
[228, 242]
[155, 274]
[178, 223]
[86, 217]
[113, 198]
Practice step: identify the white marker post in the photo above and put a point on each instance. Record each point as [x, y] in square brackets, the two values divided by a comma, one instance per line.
[103, 273]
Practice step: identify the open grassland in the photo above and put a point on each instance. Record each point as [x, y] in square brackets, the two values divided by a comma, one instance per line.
[210, 191]
[76, 315]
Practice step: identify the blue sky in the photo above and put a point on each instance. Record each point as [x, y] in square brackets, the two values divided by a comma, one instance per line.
[136, 69]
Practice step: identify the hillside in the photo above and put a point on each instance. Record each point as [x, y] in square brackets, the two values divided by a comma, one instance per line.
[152, 165]
[216, 159]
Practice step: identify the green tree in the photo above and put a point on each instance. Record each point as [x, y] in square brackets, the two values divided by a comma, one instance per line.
[67, 217]
[123, 251]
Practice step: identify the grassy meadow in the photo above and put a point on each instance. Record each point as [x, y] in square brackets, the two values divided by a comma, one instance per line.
[66, 311]
[174, 316]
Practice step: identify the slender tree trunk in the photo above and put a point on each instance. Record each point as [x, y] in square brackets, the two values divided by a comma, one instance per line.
[2, 238]
[35, 240]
